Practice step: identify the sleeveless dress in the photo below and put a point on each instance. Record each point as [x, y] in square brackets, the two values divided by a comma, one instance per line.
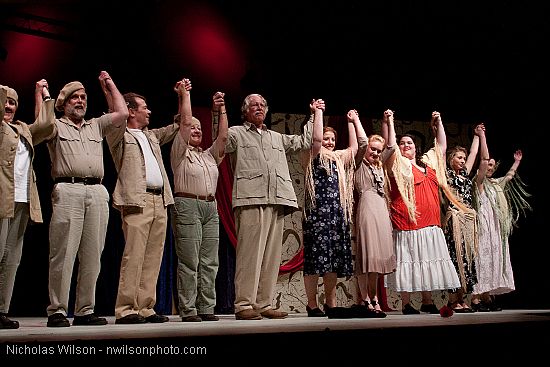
[327, 235]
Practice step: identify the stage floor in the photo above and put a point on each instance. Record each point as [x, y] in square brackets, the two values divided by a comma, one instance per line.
[462, 333]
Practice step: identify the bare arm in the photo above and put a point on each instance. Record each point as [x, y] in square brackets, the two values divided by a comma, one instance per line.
[474, 149]
[354, 124]
[518, 155]
[484, 156]
[439, 132]
[390, 128]
[183, 88]
[117, 106]
[218, 107]
[317, 107]
[388, 133]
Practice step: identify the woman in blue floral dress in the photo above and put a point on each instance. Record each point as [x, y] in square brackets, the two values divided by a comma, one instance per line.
[328, 209]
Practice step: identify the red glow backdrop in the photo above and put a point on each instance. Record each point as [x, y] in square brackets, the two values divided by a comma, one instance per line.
[201, 40]
[29, 59]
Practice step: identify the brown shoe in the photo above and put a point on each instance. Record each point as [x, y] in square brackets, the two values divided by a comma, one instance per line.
[272, 314]
[248, 314]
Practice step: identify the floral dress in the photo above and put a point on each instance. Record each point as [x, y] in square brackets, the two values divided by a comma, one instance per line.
[327, 235]
[462, 186]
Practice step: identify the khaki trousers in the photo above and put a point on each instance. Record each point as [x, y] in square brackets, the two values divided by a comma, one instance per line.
[145, 233]
[258, 255]
[77, 228]
[12, 233]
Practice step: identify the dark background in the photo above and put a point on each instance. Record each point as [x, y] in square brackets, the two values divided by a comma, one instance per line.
[471, 60]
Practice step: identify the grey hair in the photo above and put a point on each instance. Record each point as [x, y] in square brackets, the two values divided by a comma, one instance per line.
[246, 104]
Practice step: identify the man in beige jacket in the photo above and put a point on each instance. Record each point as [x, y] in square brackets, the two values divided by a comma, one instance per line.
[18, 184]
[262, 189]
[142, 194]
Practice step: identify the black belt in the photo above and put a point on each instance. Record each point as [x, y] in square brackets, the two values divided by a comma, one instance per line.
[82, 180]
[192, 196]
[154, 190]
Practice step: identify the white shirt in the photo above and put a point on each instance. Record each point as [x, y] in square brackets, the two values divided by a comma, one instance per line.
[21, 172]
[152, 171]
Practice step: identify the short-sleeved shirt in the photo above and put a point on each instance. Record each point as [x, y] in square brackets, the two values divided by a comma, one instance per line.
[78, 152]
[195, 171]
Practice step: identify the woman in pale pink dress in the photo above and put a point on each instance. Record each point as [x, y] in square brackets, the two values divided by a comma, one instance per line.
[375, 253]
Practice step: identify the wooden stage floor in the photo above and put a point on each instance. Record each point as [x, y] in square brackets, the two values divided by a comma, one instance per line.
[298, 337]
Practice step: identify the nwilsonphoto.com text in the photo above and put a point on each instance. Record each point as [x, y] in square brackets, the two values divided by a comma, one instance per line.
[14, 350]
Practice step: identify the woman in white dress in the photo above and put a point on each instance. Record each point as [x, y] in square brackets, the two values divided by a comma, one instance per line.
[501, 200]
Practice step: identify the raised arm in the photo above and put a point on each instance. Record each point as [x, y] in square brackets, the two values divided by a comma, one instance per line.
[41, 94]
[218, 107]
[362, 140]
[387, 124]
[317, 107]
[354, 124]
[512, 171]
[439, 132]
[483, 156]
[388, 133]
[474, 149]
[117, 106]
[3, 97]
[183, 88]
[44, 119]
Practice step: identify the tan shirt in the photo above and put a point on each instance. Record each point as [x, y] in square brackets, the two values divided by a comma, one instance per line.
[195, 171]
[131, 184]
[260, 168]
[78, 152]
[33, 134]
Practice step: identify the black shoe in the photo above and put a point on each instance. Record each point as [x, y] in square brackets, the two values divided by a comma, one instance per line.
[339, 312]
[363, 311]
[379, 313]
[133, 318]
[89, 320]
[156, 318]
[6, 323]
[315, 312]
[410, 310]
[57, 320]
[431, 309]
[492, 306]
[480, 307]
[192, 318]
[208, 317]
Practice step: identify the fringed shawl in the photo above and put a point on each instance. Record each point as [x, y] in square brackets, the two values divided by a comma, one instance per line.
[404, 178]
[465, 230]
[516, 196]
[345, 164]
[508, 199]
